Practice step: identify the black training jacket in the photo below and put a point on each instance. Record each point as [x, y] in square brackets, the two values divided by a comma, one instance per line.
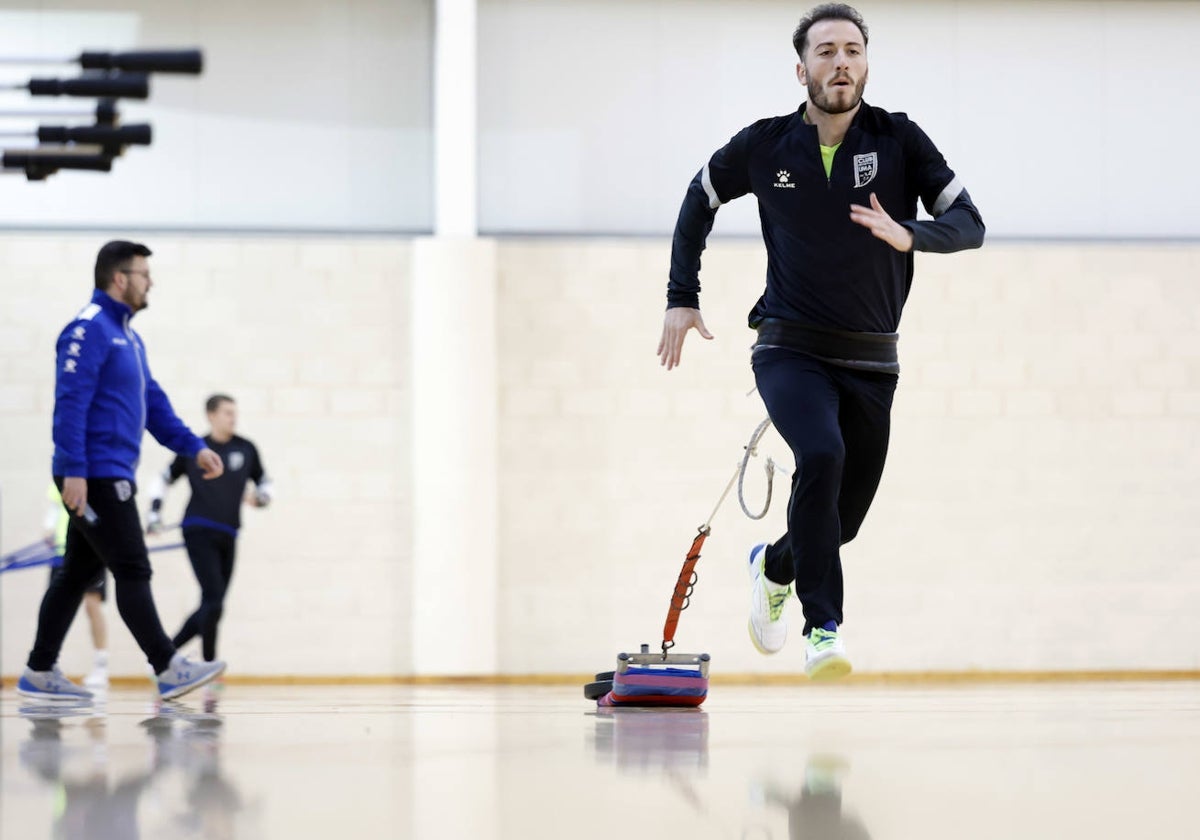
[822, 268]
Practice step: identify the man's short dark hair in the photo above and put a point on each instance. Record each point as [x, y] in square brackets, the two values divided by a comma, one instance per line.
[114, 255]
[214, 402]
[826, 11]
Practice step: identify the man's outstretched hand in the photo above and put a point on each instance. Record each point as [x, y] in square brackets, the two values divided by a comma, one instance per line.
[883, 226]
[676, 324]
[210, 463]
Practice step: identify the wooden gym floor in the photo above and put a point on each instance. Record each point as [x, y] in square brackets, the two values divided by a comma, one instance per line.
[1045, 760]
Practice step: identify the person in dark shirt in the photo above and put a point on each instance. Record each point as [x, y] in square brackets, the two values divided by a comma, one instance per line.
[837, 184]
[213, 516]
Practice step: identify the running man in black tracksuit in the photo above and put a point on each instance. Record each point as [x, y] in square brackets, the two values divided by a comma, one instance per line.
[213, 516]
[837, 184]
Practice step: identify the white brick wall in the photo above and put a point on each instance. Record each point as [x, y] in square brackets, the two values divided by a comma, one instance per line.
[308, 335]
[1038, 509]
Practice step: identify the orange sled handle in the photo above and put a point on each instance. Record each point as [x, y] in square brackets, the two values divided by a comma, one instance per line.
[684, 584]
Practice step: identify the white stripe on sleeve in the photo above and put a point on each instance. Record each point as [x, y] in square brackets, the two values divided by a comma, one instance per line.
[706, 182]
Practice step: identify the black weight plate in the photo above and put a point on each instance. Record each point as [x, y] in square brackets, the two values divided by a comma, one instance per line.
[596, 690]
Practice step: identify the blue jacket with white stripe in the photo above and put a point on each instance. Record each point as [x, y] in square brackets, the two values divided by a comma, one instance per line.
[822, 268]
[104, 397]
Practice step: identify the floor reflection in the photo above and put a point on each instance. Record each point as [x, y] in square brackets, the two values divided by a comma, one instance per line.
[179, 769]
[814, 808]
[672, 745]
[661, 743]
[652, 740]
[494, 763]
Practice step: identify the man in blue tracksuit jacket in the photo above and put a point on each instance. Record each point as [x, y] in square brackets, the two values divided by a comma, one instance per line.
[104, 398]
[837, 184]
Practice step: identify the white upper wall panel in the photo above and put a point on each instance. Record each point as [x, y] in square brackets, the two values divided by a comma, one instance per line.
[1064, 119]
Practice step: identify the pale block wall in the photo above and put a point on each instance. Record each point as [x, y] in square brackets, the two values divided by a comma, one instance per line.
[1037, 511]
[308, 336]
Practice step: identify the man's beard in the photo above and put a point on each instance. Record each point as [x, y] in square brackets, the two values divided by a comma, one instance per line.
[818, 97]
[133, 303]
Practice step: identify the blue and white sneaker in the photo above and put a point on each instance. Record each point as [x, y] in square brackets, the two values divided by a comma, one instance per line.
[768, 627]
[184, 675]
[825, 655]
[50, 685]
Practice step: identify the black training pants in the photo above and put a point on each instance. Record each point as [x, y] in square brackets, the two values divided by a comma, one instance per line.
[113, 540]
[211, 553]
[836, 421]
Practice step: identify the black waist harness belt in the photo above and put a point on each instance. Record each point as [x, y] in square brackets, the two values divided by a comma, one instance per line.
[859, 350]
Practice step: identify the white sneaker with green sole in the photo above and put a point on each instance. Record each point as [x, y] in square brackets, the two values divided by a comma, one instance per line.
[825, 655]
[768, 627]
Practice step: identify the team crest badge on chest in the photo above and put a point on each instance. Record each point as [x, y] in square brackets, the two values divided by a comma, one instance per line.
[865, 167]
[235, 460]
